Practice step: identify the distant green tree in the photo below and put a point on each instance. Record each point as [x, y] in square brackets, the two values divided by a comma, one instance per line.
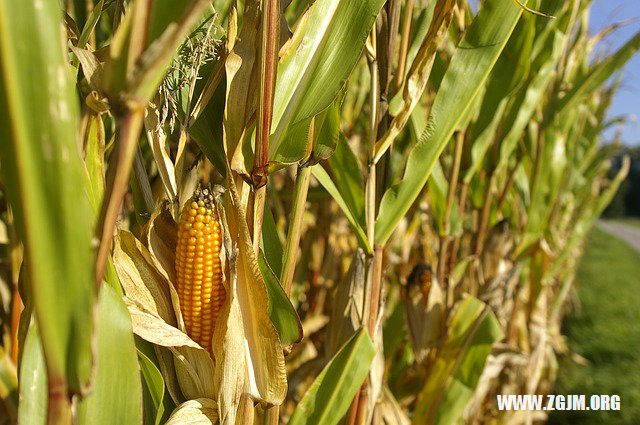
[627, 200]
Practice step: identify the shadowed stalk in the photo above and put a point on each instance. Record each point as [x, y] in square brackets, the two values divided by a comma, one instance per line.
[453, 183]
[117, 184]
[59, 408]
[295, 227]
[455, 246]
[508, 186]
[404, 43]
[372, 291]
[482, 229]
[15, 249]
[141, 190]
[117, 14]
[129, 117]
[248, 409]
[268, 66]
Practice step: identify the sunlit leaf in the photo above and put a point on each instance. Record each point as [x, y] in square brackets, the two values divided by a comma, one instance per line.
[46, 185]
[470, 65]
[330, 395]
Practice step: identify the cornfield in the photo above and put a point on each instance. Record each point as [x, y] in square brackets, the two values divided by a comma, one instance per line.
[291, 211]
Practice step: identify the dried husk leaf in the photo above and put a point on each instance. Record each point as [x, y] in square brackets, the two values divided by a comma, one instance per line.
[168, 370]
[142, 282]
[502, 358]
[155, 308]
[155, 330]
[91, 67]
[241, 68]
[201, 411]
[231, 370]
[228, 336]
[193, 364]
[266, 380]
[246, 413]
[157, 139]
[161, 238]
[391, 410]
[347, 314]
[425, 321]
[195, 371]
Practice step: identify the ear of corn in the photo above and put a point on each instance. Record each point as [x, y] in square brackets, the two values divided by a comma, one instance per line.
[422, 277]
[198, 268]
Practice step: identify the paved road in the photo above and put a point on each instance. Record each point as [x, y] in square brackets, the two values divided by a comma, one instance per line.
[628, 233]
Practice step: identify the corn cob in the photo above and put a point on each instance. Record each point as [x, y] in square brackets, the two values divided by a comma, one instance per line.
[422, 277]
[198, 268]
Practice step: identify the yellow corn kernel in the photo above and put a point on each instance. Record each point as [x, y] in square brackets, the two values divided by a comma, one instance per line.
[198, 268]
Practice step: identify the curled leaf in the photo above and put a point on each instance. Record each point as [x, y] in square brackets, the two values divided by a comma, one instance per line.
[161, 240]
[424, 317]
[155, 330]
[266, 374]
[142, 282]
[201, 411]
[195, 371]
[228, 346]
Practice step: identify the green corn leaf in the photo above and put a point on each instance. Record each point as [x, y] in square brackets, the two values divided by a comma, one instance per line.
[508, 73]
[316, 63]
[270, 242]
[158, 403]
[45, 183]
[167, 26]
[587, 217]
[349, 196]
[330, 395]
[345, 168]
[472, 331]
[528, 99]
[327, 132]
[207, 128]
[117, 396]
[600, 73]
[162, 14]
[90, 24]
[281, 312]
[470, 65]
[33, 380]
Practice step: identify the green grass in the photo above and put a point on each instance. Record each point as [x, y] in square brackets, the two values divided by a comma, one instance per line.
[606, 331]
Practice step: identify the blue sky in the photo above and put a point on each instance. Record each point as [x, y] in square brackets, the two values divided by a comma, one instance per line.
[626, 102]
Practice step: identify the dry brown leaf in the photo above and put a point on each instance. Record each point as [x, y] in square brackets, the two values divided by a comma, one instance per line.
[201, 411]
[347, 316]
[419, 72]
[157, 139]
[193, 364]
[161, 240]
[155, 330]
[267, 380]
[241, 68]
[425, 322]
[167, 368]
[195, 371]
[230, 373]
[141, 281]
[392, 412]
